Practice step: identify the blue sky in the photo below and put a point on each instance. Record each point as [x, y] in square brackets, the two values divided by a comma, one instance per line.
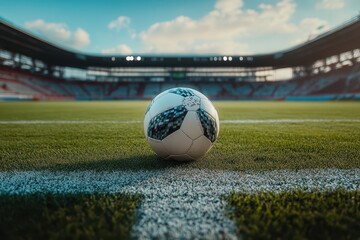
[178, 27]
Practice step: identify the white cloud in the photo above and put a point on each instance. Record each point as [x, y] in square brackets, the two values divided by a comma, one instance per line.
[119, 23]
[81, 38]
[314, 25]
[331, 4]
[228, 5]
[225, 30]
[132, 33]
[120, 49]
[59, 33]
[309, 28]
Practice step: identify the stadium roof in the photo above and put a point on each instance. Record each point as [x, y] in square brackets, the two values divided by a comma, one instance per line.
[341, 39]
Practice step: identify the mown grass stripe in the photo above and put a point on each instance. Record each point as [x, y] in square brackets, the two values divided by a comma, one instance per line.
[296, 214]
[67, 216]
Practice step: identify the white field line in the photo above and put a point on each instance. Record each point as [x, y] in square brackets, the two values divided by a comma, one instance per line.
[179, 203]
[237, 121]
[230, 121]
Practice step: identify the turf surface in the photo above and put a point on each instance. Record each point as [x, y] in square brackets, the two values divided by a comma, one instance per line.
[108, 146]
[80, 216]
[96, 143]
[297, 215]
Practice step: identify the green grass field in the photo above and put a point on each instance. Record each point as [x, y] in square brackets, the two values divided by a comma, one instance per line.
[109, 136]
[76, 216]
[102, 146]
[297, 215]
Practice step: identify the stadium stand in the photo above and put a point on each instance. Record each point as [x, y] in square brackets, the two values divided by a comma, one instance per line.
[324, 68]
[23, 84]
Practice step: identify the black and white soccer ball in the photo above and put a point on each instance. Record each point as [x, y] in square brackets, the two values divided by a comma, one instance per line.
[181, 124]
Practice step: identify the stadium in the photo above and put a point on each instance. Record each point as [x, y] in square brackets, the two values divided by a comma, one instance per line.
[324, 68]
[75, 164]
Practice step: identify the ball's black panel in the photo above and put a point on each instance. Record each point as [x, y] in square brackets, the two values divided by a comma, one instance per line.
[182, 91]
[165, 123]
[208, 123]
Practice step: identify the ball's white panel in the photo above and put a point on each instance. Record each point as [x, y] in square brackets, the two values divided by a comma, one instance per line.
[165, 102]
[208, 107]
[177, 143]
[158, 147]
[199, 94]
[191, 103]
[160, 95]
[182, 157]
[217, 124]
[199, 147]
[191, 125]
[146, 123]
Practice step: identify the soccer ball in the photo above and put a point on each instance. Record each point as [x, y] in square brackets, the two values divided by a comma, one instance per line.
[181, 124]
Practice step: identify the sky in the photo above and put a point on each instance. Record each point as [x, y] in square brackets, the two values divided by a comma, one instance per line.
[205, 27]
